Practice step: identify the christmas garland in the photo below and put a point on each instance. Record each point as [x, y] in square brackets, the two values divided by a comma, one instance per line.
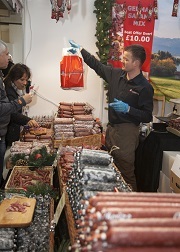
[103, 26]
[37, 189]
[40, 158]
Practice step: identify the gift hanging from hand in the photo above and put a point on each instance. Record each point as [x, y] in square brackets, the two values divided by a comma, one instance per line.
[71, 70]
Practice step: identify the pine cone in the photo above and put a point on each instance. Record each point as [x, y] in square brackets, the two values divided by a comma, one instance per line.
[21, 162]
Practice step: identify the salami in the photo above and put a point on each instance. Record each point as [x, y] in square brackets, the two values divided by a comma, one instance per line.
[95, 157]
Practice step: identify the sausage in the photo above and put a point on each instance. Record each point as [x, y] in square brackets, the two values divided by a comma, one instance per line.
[95, 157]
[111, 203]
[140, 194]
[143, 236]
[99, 186]
[99, 174]
[63, 120]
[83, 117]
[65, 103]
[127, 213]
[93, 201]
[144, 222]
[79, 103]
[59, 3]
[142, 249]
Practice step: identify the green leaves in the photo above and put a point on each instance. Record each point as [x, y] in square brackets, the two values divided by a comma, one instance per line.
[103, 26]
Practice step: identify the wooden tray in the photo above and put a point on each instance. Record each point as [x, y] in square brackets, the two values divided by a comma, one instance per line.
[26, 171]
[16, 219]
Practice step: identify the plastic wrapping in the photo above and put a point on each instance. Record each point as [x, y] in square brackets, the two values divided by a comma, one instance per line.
[71, 71]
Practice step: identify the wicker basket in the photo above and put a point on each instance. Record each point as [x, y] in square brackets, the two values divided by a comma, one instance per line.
[70, 220]
[92, 140]
[51, 233]
[62, 185]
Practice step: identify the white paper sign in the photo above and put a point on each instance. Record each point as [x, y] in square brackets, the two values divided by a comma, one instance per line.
[59, 208]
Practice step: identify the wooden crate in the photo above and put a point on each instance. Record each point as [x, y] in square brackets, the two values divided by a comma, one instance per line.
[91, 140]
[51, 232]
[26, 170]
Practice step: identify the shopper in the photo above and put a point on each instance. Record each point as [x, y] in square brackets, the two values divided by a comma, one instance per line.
[130, 99]
[10, 64]
[7, 107]
[15, 85]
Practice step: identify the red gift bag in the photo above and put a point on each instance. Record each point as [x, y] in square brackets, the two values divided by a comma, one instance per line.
[71, 71]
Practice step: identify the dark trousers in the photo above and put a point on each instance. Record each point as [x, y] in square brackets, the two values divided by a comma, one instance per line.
[121, 141]
[2, 153]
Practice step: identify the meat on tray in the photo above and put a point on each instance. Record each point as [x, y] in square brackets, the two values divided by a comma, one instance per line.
[18, 207]
[21, 178]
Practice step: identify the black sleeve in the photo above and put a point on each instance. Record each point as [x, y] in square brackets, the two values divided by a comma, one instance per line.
[102, 70]
[19, 119]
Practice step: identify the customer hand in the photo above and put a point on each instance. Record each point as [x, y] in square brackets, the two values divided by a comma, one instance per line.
[27, 98]
[33, 123]
[73, 44]
[119, 106]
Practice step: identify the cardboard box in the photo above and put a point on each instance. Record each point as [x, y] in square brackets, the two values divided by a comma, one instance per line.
[164, 184]
[167, 161]
[175, 175]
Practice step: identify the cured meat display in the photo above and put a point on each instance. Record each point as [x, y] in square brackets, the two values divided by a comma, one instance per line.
[23, 150]
[36, 236]
[44, 121]
[63, 128]
[88, 172]
[120, 221]
[78, 126]
[29, 135]
[67, 109]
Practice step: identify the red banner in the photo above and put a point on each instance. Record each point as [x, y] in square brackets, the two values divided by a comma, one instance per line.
[132, 23]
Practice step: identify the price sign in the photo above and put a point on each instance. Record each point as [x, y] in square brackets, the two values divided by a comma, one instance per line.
[139, 28]
[59, 208]
[135, 27]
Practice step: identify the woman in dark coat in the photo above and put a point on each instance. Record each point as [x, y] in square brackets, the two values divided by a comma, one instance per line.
[15, 85]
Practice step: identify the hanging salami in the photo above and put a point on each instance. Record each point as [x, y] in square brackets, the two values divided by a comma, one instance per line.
[71, 71]
[58, 8]
[175, 8]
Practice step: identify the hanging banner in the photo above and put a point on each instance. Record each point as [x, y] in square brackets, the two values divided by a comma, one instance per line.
[132, 23]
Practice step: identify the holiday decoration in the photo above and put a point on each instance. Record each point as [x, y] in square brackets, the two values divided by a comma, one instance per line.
[150, 12]
[18, 159]
[175, 8]
[59, 7]
[103, 27]
[40, 157]
[139, 11]
[43, 189]
[155, 9]
[121, 23]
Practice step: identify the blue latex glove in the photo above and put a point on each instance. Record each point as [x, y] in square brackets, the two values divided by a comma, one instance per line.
[72, 50]
[119, 106]
[73, 44]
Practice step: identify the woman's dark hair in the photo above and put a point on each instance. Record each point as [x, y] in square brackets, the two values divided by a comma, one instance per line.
[16, 72]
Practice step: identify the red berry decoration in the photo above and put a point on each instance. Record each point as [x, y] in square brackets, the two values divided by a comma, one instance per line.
[38, 155]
